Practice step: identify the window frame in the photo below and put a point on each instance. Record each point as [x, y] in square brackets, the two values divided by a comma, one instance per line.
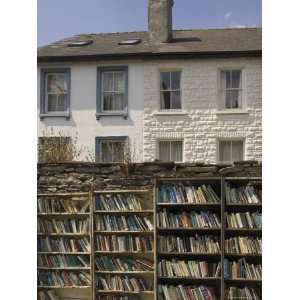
[98, 145]
[170, 140]
[44, 72]
[99, 105]
[170, 70]
[237, 139]
[221, 102]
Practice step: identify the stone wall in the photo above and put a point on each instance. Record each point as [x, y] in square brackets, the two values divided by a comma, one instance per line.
[77, 176]
[202, 125]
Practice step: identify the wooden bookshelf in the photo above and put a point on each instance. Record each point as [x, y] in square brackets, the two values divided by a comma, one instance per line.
[47, 212]
[145, 198]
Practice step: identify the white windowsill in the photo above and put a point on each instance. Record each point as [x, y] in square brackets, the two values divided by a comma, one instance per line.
[169, 113]
[232, 112]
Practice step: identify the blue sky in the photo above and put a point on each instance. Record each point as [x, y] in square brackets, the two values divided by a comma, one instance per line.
[58, 19]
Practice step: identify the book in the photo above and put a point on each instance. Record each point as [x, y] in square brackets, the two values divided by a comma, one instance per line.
[241, 269]
[247, 194]
[63, 261]
[243, 245]
[113, 202]
[244, 220]
[234, 293]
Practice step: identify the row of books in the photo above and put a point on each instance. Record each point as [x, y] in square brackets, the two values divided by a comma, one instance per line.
[243, 245]
[194, 244]
[191, 219]
[107, 263]
[242, 195]
[63, 278]
[63, 226]
[47, 295]
[244, 220]
[124, 243]
[241, 269]
[63, 261]
[122, 283]
[184, 292]
[180, 193]
[246, 293]
[115, 223]
[50, 244]
[62, 206]
[189, 268]
[117, 202]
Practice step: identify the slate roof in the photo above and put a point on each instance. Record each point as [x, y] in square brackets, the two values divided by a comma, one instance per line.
[196, 42]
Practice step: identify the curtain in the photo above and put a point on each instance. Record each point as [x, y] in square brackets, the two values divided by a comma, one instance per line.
[176, 151]
[56, 92]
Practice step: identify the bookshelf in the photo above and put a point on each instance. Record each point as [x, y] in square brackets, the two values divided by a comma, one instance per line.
[64, 245]
[118, 227]
[231, 285]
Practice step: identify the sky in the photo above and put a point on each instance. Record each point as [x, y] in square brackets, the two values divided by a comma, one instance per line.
[58, 19]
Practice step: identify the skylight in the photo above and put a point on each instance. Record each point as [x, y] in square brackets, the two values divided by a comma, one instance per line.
[80, 43]
[130, 42]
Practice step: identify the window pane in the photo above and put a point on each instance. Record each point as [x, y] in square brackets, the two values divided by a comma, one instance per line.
[56, 102]
[176, 151]
[223, 80]
[56, 83]
[228, 79]
[164, 150]
[228, 101]
[165, 100]
[119, 82]
[236, 78]
[107, 151]
[175, 80]
[237, 150]
[225, 151]
[117, 104]
[108, 101]
[165, 81]
[108, 81]
[118, 151]
[235, 101]
[176, 100]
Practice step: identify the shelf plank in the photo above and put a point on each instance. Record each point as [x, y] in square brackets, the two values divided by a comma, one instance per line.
[242, 280]
[171, 254]
[145, 211]
[189, 204]
[64, 214]
[184, 230]
[124, 232]
[63, 194]
[242, 255]
[65, 268]
[126, 272]
[124, 252]
[63, 287]
[63, 234]
[208, 280]
[123, 292]
[123, 191]
[63, 253]
[243, 205]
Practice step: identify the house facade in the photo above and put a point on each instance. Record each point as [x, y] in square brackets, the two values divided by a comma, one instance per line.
[179, 95]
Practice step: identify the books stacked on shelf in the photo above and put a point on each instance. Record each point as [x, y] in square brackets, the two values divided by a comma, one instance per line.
[62, 206]
[241, 269]
[182, 292]
[184, 219]
[189, 244]
[180, 193]
[113, 297]
[246, 293]
[242, 195]
[124, 243]
[63, 261]
[47, 295]
[111, 202]
[189, 268]
[244, 220]
[62, 226]
[243, 245]
[122, 283]
[49, 244]
[120, 223]
[63, 278]
[106, 263]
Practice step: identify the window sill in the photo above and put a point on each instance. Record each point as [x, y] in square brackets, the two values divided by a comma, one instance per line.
[170, 113]
[59, 115]
[232, 112]
[112, 114]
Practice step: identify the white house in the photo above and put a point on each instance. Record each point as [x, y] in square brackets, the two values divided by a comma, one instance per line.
[180, 95]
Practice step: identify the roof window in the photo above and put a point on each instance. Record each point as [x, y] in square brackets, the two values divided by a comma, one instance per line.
[130, 42]
[80, 43]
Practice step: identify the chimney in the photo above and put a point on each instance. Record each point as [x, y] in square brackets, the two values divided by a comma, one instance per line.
[160, 20]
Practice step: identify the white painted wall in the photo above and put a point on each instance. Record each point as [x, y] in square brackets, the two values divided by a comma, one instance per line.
[201, 127]
[83, 120]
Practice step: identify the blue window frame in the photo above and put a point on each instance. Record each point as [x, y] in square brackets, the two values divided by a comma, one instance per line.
[112, 91]
[111, 149]
[55, 92]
